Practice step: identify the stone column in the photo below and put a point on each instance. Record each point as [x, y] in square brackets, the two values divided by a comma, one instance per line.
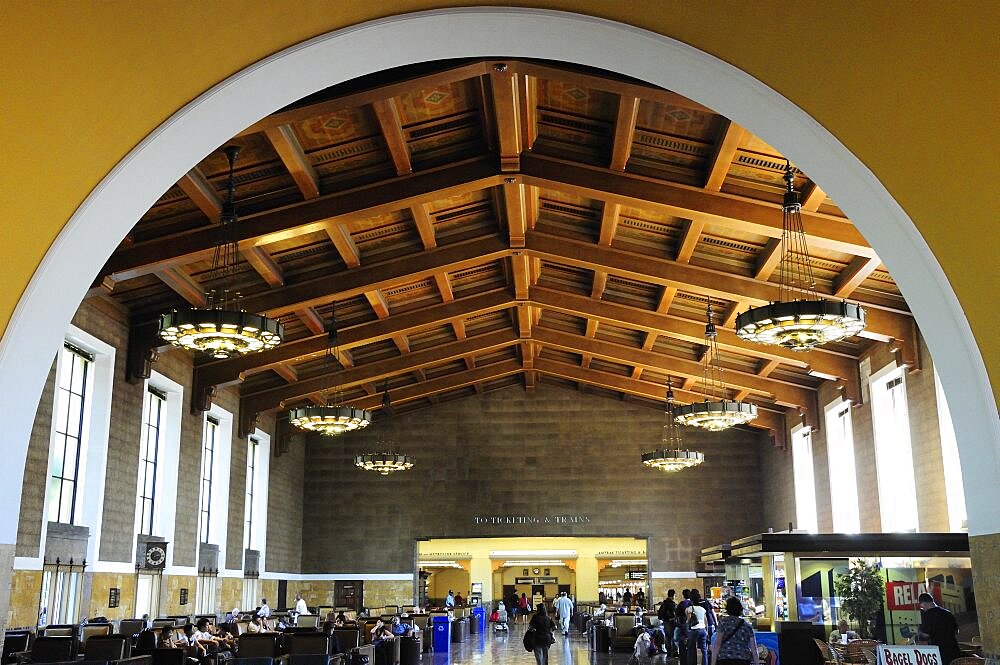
[792, 586]
[481, 570]
[985, 552]
[586, 578]
[6, 574]
[767, 570]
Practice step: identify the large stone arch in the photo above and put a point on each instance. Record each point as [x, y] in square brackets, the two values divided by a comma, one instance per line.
[151, 167]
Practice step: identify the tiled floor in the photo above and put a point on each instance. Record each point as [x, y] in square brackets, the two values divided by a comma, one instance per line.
[507, 649]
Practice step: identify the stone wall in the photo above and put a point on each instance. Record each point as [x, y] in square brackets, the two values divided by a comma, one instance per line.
[285, 516]
[552, 452]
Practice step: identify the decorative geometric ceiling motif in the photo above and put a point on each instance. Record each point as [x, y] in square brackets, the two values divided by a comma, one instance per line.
[492, 222]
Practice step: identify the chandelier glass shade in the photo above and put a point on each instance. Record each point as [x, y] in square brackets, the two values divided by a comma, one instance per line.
[669, 457]
[222, 329]
[383, 463]
[332, 418]
[329, 419]
[800, 320]
[716, 412]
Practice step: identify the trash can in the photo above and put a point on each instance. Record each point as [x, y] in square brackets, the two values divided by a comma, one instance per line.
[478, 620]
[442, 634]
[460, 629]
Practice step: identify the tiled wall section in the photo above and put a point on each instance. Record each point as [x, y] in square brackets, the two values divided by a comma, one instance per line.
[100, 595]
[170, 594]
[24, 588]
[551, 452]
[286, 522]
[379, 593]
[986, 577]
[661, 586]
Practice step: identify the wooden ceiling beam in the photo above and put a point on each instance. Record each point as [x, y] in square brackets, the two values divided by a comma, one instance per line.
[342, 241]
[813, 198]
[521, 273]
[515, 213]
[610, 216]
[228, 372]
[309, 216]
[184, 285]
[354, 282]
[850, 278]
[311, 319]
[290, 151]
[883, 323]
[506, 107]
[286, 371]
[785, 393]
[688, 330]
[200, 191]
[376, 299]
[607, 84]
[424, 222]
[528, 97]
[733, 212]
[689, 240]
[304, 112]
[391, 126]
[443, 283]
[266, 267]
[768, 260]
[776, 424]
[374, 372]
[765, 367]
[723, 154]
[621, 143]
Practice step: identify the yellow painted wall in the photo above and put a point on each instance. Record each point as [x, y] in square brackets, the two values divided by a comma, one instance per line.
[170, 594]
[908, 88]
[100, 587]
[442, 580]
[380, 593]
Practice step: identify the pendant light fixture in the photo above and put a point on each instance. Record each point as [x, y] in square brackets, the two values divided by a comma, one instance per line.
[800, 320]
[716, 413]
[384, 463]
[222, 329]
[334, 417]
[670, 457]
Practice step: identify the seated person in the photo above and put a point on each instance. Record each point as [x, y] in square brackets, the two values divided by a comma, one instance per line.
[842, 634]
[255, 625]
[234, 615]
[283, 622]
[204, 635]
[638, 615]
[399, 628]
[380, 634]
[194, 647]
[328, 629]
[341, 619]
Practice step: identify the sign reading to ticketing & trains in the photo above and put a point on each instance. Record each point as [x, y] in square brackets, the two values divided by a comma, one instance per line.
[559, 520]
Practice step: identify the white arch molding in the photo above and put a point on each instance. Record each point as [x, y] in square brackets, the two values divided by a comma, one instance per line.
[135, 183]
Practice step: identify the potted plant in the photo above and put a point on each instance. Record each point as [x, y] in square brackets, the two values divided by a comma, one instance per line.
[861, 591]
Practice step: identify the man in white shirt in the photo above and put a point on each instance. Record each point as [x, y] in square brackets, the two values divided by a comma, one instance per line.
[264, 612]
[564, 610]
[300, 606]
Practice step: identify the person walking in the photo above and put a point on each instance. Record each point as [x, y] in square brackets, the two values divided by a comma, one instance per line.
[524, 607]
[681, 624]
[697, 621]
[667, 614]
[735, 644]
[449, 600]
[514, 606]
[541, 625]
[938, 626]
[564, 610]
[627, 599]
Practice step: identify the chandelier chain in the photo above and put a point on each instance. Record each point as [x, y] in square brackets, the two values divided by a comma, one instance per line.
[796, 280]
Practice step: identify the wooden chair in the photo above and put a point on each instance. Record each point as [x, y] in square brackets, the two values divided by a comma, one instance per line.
[853, 653]
[870, 656]
[829, 656]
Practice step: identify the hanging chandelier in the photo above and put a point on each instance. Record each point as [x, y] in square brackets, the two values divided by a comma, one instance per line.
[716, 413]
[800, 320]
[670, 457]
[222, 329]
[384, 463]
[333, 417]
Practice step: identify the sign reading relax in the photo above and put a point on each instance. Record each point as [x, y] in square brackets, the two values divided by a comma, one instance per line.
[908, 655]
[531, 519]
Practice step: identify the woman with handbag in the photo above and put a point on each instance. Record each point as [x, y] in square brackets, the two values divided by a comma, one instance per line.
[541, 626]
[734, 643]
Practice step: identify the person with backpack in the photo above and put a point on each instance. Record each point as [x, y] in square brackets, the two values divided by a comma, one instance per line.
[524, 607]
[736, 644]
[538, 638]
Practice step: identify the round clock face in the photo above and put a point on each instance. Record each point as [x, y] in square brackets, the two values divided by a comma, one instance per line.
[155, 556]
[535, 571]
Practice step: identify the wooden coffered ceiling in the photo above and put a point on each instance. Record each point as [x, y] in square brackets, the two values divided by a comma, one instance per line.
[486, 223]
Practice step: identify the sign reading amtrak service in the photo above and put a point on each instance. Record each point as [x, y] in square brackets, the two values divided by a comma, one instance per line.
[530, 519]
[908, 655]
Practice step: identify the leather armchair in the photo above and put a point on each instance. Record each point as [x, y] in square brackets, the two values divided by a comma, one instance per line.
[623, 632]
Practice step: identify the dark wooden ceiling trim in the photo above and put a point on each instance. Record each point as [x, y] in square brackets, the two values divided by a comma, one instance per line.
[621, 144]
[723, 153]
[184, 285]
[306, 217]
[200, 191]
[387, 115]
[732, 212]
[506, 111]
[859, 269]
[266, 267]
